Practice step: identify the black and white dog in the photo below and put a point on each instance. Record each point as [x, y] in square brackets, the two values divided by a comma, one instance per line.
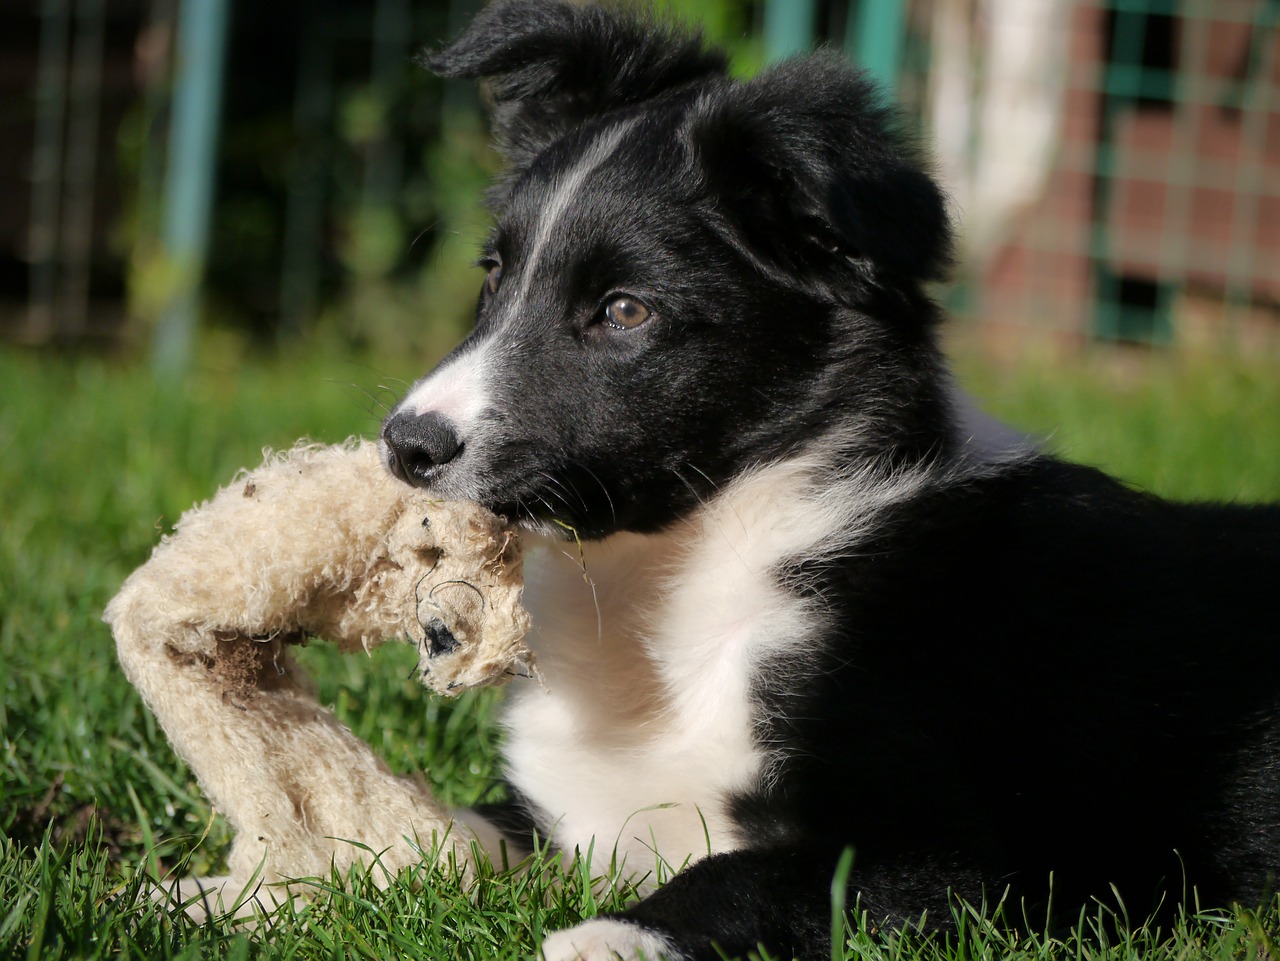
[819, 612]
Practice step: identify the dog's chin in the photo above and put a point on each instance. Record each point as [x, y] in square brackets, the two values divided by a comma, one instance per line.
[529, 520]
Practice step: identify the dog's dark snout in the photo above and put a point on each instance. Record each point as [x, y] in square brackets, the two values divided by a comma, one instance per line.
[419, 443]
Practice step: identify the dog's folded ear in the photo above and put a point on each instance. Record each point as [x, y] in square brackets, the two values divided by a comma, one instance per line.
[552, 65]
[814, 170]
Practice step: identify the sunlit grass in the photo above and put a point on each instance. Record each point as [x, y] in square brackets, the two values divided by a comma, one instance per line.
[96, 461]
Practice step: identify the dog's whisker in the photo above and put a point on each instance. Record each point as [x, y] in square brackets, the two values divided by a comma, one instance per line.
[713, 516]
[377, 401]
[548, 491]
[733, 508]
[561, 489]
[613, 513]
[398, 386]
[703, 474]
[422, 233]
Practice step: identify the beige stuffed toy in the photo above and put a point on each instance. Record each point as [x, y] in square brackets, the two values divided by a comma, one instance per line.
[318, 542]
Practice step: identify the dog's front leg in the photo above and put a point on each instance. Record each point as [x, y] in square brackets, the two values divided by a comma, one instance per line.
[728, 905]
[729, 902]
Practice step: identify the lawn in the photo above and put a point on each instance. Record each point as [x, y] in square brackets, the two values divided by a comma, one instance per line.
[96, 461]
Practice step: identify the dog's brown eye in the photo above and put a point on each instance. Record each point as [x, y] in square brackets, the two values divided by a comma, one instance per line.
[493, 278]
[625, 313]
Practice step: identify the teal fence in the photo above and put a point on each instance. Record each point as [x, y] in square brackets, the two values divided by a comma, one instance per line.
[1115, 164]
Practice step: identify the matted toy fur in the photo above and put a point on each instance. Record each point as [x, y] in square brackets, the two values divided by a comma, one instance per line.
[317, 542]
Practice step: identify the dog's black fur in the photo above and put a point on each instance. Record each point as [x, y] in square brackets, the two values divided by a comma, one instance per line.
[1011, 667]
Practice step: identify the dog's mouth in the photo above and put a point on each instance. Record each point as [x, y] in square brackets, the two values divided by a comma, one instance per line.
[545, 499]
[534, 518]
[515, 513]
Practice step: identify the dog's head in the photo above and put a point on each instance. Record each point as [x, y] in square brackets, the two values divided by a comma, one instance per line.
[689, 275]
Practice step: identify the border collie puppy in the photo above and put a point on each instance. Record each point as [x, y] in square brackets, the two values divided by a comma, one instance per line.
[812, 611]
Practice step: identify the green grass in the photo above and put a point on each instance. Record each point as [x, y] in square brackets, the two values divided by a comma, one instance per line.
[96, 460]
[1194, 427]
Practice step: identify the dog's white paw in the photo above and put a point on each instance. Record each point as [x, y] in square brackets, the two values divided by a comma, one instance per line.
[605, 939]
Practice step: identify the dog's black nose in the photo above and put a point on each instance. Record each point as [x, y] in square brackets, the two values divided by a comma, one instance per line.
[419, 443]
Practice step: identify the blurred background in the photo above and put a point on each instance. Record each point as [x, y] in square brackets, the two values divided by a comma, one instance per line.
[228, 224]
[186, 176]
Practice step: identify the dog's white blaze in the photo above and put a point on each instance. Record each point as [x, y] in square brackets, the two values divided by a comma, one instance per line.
[456, 390]
[645, 727]
[567, 189]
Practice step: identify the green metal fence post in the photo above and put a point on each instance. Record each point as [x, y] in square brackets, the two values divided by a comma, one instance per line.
[1120, 313]
[189, 179]
[788, 27]
[874, 37]
[47, 158]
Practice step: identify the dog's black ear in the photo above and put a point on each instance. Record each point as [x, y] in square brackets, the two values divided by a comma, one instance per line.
[552, 65]
[815, 172]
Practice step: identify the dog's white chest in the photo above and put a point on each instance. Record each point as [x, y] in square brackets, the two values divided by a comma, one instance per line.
[644, 730]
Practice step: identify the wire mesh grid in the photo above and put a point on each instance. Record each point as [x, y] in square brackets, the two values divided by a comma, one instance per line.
[1151, 209]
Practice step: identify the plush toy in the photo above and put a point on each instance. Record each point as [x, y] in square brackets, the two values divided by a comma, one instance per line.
[318, 542]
